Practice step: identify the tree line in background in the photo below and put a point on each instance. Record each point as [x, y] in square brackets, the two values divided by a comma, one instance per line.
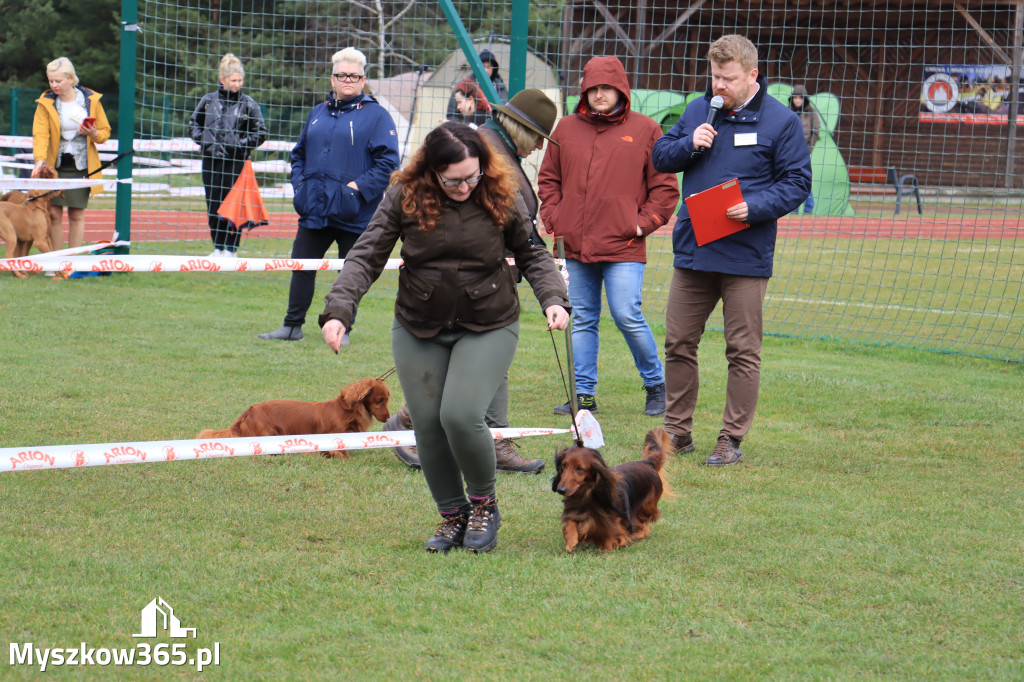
[35, 32]
[282, 43]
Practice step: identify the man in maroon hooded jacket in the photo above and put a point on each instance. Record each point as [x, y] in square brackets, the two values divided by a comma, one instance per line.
[601, 193]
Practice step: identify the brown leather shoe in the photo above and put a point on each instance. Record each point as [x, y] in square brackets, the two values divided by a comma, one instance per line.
[509, 458]
[402, 421]
[727, 451]
[683, 443]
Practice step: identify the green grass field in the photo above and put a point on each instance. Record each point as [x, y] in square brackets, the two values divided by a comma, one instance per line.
[935, 282]
[873, 530]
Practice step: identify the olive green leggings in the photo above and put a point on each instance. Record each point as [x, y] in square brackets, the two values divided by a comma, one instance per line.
[449, 381]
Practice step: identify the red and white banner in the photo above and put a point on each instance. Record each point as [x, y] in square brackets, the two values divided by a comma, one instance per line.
[100, 454]
[130, 263]
[59, 261]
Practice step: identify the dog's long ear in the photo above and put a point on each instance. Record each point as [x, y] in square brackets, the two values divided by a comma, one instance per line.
[559, 458]
[357, 391]
[604, 479]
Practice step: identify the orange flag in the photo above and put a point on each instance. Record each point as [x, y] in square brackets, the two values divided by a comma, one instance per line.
[243, 205]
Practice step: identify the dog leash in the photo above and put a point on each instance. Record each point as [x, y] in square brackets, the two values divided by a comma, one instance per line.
[386, 374]
[565, 385]
[102, 167]
[570, 389]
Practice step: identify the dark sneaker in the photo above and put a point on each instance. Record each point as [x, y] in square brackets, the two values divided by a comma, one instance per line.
[584, 401]
[285, 333]
[655, 406]
[449, 534]
[727, 451]
[509, 458]
[482, 526]
[683, 443]
[401, 421]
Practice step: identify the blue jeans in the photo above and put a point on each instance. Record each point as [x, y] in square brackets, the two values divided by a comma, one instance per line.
[809, 203]
[623, 284]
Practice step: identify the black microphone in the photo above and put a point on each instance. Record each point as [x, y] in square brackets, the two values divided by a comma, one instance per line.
[716, 106]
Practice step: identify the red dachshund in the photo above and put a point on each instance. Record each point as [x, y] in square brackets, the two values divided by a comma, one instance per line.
[610, 507]
[24, 222]
[351, 412]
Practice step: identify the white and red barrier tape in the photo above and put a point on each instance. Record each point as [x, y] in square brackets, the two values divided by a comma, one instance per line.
[100, 454]
[135, 263]
[114, 263]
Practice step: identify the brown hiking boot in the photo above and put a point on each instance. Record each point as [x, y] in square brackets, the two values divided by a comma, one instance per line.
[509, 458]
[402, 421]
[727, 451]
[683, 442]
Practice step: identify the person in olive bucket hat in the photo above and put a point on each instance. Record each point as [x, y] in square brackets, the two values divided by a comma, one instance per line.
[516, 130]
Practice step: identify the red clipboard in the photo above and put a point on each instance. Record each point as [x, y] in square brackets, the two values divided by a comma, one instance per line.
[707, 211]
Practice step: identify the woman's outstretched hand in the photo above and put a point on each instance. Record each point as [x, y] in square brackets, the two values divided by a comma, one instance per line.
[332, 332]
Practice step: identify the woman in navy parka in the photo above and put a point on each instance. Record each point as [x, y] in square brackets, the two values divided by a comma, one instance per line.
[341, 166]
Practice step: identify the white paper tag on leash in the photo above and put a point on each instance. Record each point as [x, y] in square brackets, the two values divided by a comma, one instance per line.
[590, 430]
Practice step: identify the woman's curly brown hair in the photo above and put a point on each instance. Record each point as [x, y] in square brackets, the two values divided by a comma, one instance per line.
[452, 142]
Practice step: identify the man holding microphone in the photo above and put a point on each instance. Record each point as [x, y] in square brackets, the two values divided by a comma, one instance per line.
[759, 141]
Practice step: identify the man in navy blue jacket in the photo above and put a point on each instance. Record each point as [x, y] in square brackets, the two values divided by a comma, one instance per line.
[758, 140]
[341, 166]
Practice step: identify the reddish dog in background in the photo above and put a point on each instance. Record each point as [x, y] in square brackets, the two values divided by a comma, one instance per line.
[610, 507]
[24, 222]
[351, 412]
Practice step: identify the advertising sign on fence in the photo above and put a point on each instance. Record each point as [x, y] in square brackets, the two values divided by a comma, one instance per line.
[972, 94]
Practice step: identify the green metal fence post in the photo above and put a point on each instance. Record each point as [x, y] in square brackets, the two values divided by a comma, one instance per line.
[467, 49]
[126, 120]
[14, 111]
[520, 32]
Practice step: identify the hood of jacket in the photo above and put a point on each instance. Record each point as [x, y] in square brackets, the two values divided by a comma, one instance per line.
[604, 71]
[349, 104]
[486, 56]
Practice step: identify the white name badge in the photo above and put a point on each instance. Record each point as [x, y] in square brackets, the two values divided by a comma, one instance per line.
[745, 139]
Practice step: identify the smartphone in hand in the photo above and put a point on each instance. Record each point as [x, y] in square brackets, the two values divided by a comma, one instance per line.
[89, 121]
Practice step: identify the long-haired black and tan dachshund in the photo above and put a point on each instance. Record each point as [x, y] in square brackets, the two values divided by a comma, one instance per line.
[610, 506]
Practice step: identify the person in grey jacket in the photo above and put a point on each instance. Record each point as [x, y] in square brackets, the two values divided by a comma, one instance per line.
[457, 209]
[227, 125]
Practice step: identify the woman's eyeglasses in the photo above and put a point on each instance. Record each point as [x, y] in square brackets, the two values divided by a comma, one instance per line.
[348, 77]
[455, 182]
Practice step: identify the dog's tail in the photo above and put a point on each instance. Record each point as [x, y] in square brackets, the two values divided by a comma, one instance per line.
[216, 433]
[657, 445]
